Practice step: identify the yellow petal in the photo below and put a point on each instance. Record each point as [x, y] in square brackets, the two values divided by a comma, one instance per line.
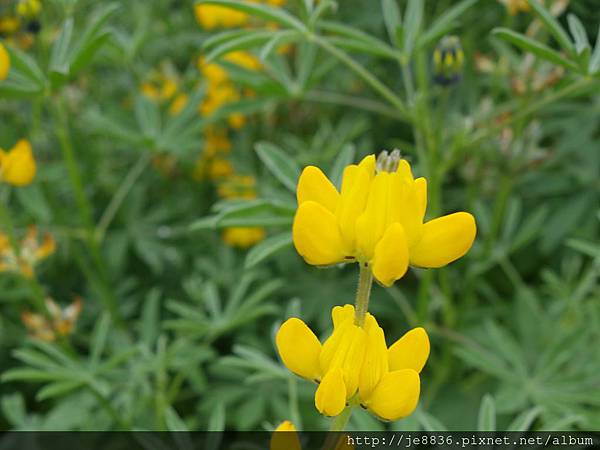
[353, 199]
[299, 348]
[421, 192]
[371, 225]
[404, 170]
[375, 364]
[410, 351]
[342, 314]
[316, 235]
[4, 62]
[345, 350]
[390, 260]
[18, 166]
[396, 395]
[285, 437]
[330, 398]
[314, 186]
[368, 164]
[444, 240]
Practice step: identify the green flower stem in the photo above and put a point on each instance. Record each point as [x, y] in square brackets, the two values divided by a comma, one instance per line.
[361, 306]
[113, 207]
[295, 416]
[84, 207]
[340, 421]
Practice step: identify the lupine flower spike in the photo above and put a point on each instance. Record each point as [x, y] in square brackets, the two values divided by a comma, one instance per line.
[354, 365]
[377, 219]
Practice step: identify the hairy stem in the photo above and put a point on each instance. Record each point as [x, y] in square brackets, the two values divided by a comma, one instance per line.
[365, 280]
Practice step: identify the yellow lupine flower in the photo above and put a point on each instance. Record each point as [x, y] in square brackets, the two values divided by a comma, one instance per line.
[243, 237]
[376, 219]
[61, 321]
[29, 8]
[178, 104]
[215, 16]
[354, 364]
[17, 166]
[515, 6]
[4, 62]
[243, 59]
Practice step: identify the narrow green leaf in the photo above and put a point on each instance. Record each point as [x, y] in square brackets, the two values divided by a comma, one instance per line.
[174, 422]
[59, 58]
[281, 165]
[24, 64]
[247, 40]
[358, 40]
[486, 420]
[594, 65]
[528, 44]
[392, 19]
[266, 12]
[553, 26]
[413, 19]
[579, 35]
[446, 22]
[216, 422]
[524, 420]
[99, 338]
[268, 248]
[58, 389]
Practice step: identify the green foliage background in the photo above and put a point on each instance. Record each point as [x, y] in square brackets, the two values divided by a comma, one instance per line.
[177, 329]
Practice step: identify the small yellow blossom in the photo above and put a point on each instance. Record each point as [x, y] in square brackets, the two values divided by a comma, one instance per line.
[4, 62]
[285, 437]
[215, 16]
[30, 252]
[243, 237]
[243, 59]
[354, 364]
[17, 166]
[29, 8]
[61, 322]
[178, 104]
[515, 6]
[376, 220]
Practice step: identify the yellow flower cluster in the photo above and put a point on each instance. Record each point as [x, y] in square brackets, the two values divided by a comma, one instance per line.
[355, 366]
[29, 254]
[240, 187]
[17, 166]
[21, 26]
[61, 321]
[515, 6]
[4, 62]
[163, 87]
[376, 219]
[220, 90]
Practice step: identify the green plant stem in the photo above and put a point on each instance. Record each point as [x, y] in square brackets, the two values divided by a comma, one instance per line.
[340, 421]
[369, 78]
[295, 416]
[117, 200]
[365, 281]
[84, 207]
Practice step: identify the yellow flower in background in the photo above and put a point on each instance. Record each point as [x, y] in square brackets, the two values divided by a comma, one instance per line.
[9, 25]
[285, 437]
[516, 6]
[29, 8]
[17, 166]
[376, 220]
[4, 62]
[243, 59]
[355, 366]
[178, 103]
[243, 237]
[29, 254]
[61, 321]
[215, 16]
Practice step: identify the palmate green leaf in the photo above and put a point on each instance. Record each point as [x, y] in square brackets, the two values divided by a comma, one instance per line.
[268, 248]
[25, 78]
[537, 48]
[486, 420]
[266, 12]
[445, 23]
[553, 26]
[282, 166]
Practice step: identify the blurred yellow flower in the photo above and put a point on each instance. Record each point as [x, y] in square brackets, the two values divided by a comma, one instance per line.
[61, 322]
[9, 25]
[243, 237]
[376, 220]
[4, 62]
[178, 103]
[243, 59]
[355, 366]
[285, 437]
[17, 166]
[29, 8]
[515, 6]
[30, 252]
[215, 16]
